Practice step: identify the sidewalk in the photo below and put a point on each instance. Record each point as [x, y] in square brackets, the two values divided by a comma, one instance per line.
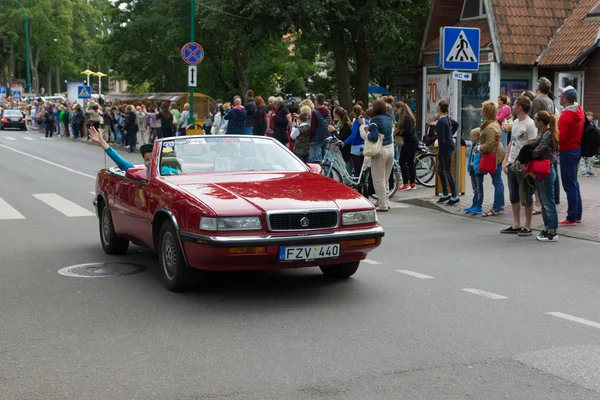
[589, 229]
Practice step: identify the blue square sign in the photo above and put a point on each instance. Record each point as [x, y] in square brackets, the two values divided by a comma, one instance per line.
[460, 48]
[84, 92]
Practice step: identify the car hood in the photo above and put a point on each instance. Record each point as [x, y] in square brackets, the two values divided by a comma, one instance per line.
[252, 193]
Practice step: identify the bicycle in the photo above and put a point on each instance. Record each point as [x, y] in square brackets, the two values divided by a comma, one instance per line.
[333, 167]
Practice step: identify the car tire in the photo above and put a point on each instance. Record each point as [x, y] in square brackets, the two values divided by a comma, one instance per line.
[345, 270]
[111, 243]
[177, 276]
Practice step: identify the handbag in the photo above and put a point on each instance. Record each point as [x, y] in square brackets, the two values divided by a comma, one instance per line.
[399, 140]
[488, 161]
[373, 149]
[541, 168]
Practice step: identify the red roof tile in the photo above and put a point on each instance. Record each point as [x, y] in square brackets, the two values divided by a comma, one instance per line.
[484, 41]
[525, 27]
[576, 36]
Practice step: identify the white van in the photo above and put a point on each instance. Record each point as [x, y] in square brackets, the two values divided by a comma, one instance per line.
[54, 99]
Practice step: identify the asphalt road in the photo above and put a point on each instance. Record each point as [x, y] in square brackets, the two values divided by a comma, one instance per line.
[383, 334]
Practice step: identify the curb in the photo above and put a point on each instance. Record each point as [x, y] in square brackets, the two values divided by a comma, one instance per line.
[428, 204]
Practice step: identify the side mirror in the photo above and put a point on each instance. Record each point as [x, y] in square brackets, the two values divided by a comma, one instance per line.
[136, 174]
[315, 167]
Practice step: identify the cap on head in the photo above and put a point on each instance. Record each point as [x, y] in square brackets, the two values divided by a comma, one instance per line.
[569, 92]
[146, 148]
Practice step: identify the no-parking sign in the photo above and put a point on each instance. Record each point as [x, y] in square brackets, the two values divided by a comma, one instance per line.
[192, 53]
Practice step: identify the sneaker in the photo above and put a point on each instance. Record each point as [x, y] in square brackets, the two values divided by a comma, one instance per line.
[413, 186]
[511, 230]
[525, 232]
[443, 199]
[547, 237]
[453, 201]
[566, 222]
[404, 188]
[468, 209]
[578, 221]
[476, 210]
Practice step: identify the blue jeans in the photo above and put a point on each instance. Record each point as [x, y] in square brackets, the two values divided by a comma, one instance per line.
[569, 160]
[498, 188]
[248, 129]
[319, 150]
[477, 183]
[545, 188]
[504, 138]
[587, 164]
[118, 133]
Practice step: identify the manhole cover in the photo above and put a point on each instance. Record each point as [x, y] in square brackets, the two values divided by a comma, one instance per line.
[101, 270]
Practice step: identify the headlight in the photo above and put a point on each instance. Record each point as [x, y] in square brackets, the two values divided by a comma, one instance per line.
[359, 217]
[230, 224]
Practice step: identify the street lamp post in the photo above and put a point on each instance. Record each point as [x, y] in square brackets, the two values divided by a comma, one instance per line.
[191, 119]
[28, 66]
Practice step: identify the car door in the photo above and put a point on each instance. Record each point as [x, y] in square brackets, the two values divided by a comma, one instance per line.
[131, 203]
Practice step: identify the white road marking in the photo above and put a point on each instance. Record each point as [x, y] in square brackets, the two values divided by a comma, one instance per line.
[488, 295]
[63, 205]
[371, 262]
[28, 138]
[414, 274]
[9, 212]
[575, 319]
[9, 138]
[93, 192]
[47, 161]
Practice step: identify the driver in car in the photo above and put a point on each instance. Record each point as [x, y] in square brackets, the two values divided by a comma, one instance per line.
[123, 164]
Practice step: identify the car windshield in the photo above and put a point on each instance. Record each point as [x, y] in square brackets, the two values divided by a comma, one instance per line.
[223, 154]
[13, 113]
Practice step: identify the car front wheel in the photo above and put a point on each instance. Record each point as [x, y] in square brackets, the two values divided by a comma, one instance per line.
[345, 270]
[111, 243]
[176, 274]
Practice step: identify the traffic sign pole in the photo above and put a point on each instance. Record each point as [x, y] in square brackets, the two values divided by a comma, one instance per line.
[191, 119]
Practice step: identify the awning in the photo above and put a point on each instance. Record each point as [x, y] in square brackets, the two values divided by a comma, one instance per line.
[378, 90]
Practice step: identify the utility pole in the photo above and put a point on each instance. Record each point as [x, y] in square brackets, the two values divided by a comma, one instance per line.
[28, 66]
[191, 119]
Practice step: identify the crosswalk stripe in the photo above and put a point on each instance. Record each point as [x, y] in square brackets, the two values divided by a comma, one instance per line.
[63, 205]
[9, 212]
[28, 138]
[9, 138]
[414, 274]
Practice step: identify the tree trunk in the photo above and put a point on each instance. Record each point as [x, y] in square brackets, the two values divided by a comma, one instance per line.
[243, 81]
[57, 79]
[11, 70]
[342, 70]
[35, 80]
[363, 62]
[49, 82]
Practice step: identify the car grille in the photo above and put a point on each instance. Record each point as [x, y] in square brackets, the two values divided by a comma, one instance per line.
[303, 221]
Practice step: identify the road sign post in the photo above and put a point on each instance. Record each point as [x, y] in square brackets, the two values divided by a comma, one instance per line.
[192, 76]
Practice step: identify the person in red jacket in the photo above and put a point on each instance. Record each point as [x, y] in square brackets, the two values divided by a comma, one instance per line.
[570, 126]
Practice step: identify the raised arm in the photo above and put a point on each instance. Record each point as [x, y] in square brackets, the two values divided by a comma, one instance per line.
[122, 163]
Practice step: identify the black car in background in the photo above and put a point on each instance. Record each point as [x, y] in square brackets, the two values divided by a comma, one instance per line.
[12, 119]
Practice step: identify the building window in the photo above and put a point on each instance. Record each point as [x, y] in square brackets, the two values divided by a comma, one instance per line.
[473, 9]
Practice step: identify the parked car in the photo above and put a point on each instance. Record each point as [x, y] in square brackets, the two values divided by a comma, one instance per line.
[234, 203]
[12, 119]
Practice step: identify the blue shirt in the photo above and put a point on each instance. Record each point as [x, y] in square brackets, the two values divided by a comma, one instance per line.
[124, 165]
[382, 123]
[355, 139]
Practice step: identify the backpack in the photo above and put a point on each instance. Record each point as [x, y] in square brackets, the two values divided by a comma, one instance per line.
[590, 140]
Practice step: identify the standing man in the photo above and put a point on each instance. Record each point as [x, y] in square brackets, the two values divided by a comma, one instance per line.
[319, 121]
[236, 117]
[542, 101]
[523, 131]
[250, 112]
[570, 126]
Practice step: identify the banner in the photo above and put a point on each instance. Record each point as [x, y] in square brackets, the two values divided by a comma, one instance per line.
[439, 87]
[513, 89]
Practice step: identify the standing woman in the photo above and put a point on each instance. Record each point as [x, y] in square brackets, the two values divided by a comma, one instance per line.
[140, 116]
[214, 130]
[167, 125]
[547, 147]
[406, 129]
[183, 120]
[443, 127]
[490, 139]
[131, 127]
[381, 165]
[355, 140]
[343, 133]
[260, 117]
[281, 121]
[503, 114]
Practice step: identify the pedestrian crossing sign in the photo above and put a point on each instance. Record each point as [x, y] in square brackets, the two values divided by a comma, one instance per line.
[84, 92]
[460, 48]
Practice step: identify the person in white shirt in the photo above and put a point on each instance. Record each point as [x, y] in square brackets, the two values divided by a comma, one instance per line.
[523, 131]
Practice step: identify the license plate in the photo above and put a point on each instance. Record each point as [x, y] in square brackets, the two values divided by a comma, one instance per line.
[15, 119]
[306, 253]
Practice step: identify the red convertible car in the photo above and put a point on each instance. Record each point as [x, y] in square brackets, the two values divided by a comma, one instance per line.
[234, 203]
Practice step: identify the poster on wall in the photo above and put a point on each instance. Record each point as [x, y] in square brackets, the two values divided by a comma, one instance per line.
[438, 88]
[513, 89]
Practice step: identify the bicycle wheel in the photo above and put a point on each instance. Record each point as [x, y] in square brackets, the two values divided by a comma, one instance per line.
[335, 175]
[425, 165]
